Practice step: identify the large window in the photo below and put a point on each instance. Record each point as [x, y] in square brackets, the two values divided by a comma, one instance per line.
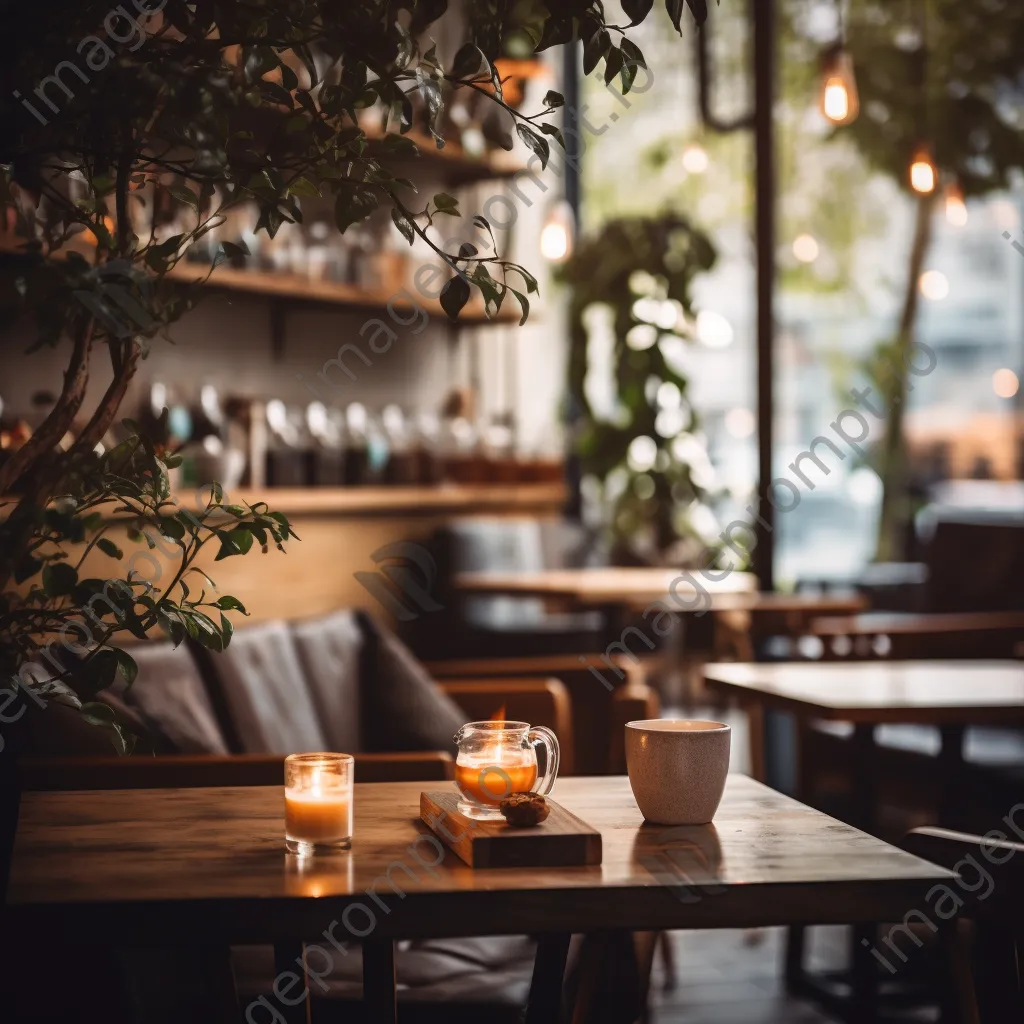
[844, 238]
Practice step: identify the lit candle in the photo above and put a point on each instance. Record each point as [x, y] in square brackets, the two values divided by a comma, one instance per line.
[318, 802]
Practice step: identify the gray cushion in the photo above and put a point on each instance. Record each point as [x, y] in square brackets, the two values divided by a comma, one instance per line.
[170, 696]
[264, 693]
[330, 651]
[403, 708]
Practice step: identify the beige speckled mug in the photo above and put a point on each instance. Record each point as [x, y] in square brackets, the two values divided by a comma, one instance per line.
[677, 768]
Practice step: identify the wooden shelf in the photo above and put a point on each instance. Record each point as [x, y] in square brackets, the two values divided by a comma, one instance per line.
[274, 285]
[408, 500]
[372, 502]
[453, 163]
[298, 289]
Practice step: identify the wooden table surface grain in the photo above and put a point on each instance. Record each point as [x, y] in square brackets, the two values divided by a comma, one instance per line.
[166, 866]
[925, 692]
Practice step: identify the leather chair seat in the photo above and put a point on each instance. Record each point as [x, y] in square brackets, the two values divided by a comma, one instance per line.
[449, 979]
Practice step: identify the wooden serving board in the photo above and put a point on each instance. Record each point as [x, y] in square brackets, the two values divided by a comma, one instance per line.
[561, 840]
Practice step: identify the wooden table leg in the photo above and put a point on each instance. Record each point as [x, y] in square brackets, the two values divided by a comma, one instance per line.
[755, 727]
[288, 960]
[545, 1005]
[961, 981]
[951, 764]
[380, 995]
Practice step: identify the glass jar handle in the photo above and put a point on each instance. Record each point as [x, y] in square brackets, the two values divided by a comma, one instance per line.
[545, 737]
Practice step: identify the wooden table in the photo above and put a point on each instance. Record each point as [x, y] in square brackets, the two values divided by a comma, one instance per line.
[950, 694]
[633, 587]
[741, 613]
[182, 866]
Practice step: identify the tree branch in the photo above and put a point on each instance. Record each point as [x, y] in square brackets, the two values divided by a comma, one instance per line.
[61, 416]
[124, 359]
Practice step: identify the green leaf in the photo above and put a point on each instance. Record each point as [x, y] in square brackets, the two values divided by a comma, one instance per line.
[597, 45]
[524, 304]
[108, 547]
[227, 631]
[184, 195]
[447, 204]
[554, 132]
[127, 666]
[636, 10]
[59, 578]
[454, 296]
[469, 62]
[304, 187]
[556, 99]
[352, 204]
[234, 542]
[699, 9]
[612, 64]
[98, 671]
[535, 142]
[26, 568]
[399, 145]
[97, 713]
[403, 224]
[233, 249]
[229, 603]
[169, 526]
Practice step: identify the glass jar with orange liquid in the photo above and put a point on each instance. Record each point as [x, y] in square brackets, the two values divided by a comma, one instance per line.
[497, 759]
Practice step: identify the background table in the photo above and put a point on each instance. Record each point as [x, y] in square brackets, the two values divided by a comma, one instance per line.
[182, 866]
[950, 694]
[741, 613]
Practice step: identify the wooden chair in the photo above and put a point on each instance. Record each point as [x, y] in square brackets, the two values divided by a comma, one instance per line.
[909, 636]
[997, 913]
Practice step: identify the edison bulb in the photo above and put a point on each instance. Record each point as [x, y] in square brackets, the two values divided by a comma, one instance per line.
[839, 100]
[695, 159]
[556, 235]
[922, 173]
[956, 208]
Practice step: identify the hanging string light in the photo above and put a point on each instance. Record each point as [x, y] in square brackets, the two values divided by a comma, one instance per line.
[838, 98]
[956, 208]
[924, 175]
[556, 237]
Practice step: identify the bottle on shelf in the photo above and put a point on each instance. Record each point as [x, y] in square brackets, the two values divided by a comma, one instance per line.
[327, 466]
[285, 465]
[401, 463]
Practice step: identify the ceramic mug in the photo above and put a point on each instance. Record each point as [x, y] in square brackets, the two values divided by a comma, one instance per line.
[677, 768]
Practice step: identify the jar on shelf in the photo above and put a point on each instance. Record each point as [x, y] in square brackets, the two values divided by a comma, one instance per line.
[427, 449]
[401, 464]
[327, 462]
[285, 462]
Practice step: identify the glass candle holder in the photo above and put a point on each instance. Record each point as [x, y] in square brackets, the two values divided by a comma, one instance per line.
[318, 803]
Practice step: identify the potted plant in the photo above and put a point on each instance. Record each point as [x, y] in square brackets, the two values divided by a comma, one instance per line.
[217, 104]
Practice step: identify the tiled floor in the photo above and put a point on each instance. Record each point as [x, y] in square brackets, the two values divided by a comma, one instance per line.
[730, 977]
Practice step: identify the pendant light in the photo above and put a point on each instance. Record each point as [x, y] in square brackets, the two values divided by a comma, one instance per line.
[838, 99]
[556, 237]
[956, 208]
[924, 175]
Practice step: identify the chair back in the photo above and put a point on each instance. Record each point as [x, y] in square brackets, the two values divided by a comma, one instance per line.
[331, 651]
[261, 695]
[170, 697]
